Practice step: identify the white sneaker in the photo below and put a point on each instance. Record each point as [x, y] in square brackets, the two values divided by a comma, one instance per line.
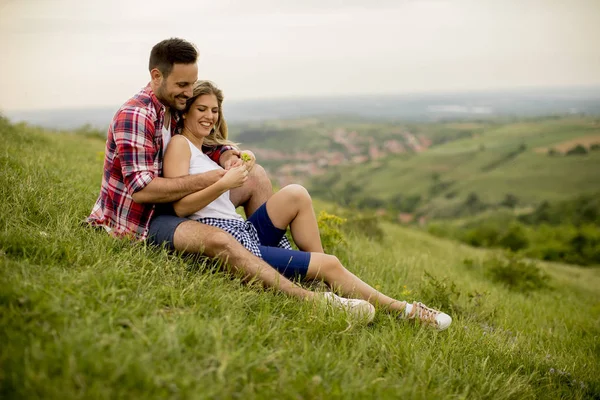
[361, 309]
[429, 316]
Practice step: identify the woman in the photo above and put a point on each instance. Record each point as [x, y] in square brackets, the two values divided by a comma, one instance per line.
[203, 125]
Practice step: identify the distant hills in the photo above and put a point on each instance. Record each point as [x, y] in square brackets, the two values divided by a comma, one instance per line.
[434, 169]
[523, 162]
[403, 107]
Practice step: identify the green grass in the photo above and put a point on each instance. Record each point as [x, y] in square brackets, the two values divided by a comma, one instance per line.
[488, 164]
[83, 315]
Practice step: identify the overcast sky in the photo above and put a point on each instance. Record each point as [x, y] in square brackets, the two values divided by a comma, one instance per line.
[79, 53]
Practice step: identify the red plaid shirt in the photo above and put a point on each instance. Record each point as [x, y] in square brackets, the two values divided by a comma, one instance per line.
[133, 157]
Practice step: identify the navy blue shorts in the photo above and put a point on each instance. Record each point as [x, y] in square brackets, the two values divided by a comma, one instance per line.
[289, 263]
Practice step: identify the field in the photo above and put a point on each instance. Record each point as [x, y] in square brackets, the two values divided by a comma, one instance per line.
[499, 160]
[585, 141]
[86, 316]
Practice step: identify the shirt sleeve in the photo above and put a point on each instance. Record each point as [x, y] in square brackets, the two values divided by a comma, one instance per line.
[214, 153]
[133, 133]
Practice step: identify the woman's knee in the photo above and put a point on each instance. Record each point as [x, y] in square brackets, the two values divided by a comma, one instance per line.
[324, 265]
[297, 193]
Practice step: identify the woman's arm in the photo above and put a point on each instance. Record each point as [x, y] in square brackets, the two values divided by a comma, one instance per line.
[177, 163]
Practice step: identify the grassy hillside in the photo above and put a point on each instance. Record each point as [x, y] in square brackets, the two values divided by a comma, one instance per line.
[509, 158]
[85, 316]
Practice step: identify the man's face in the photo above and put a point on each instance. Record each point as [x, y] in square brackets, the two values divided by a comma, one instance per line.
[178, 86]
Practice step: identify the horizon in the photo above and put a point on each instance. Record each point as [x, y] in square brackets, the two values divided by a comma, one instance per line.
[228, 100]
[403, 107]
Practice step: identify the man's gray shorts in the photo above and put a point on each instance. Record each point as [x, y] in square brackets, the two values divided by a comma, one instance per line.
[162, 230]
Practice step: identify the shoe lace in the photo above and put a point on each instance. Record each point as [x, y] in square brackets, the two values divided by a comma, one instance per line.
[424, 313]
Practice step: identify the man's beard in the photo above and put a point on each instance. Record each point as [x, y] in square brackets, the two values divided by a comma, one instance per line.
[162, 96]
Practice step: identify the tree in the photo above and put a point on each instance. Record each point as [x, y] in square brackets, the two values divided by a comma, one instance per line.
[510, 201]
[577, 150]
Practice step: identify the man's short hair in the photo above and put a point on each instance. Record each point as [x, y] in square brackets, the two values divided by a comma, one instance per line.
[172, 51]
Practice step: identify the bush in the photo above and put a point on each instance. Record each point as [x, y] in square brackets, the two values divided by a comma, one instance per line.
[405, 204]
[331, 236]
[577, 150]
[516, 273]
[514, 239]
[484, 235]
[370, 202]
[510, 201]
[549, 251]
[578, 211]
[365, 225]
[472, 205]
[585, 246]
[451, 195]
[441, 294]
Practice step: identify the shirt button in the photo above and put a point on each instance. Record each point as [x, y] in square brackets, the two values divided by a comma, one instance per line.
[155, 165]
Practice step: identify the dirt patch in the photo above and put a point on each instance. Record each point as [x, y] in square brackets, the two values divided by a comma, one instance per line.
[563, 147]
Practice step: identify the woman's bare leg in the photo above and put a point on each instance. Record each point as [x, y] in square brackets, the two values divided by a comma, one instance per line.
[292, 206]
[329, 269]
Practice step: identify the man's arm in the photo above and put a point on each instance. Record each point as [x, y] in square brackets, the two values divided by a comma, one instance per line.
[168, 190]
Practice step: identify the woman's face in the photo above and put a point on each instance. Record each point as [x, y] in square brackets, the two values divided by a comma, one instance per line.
[202, 116]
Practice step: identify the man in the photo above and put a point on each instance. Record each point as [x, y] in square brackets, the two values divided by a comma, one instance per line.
[134, 195]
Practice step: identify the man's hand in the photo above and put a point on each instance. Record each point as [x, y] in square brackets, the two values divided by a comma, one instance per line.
[248, 158]
[230, 159]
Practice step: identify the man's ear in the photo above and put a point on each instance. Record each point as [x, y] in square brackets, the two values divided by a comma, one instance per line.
[156, 76]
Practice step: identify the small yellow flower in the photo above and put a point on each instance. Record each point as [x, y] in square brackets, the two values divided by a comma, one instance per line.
[245, 157]
[405, 291]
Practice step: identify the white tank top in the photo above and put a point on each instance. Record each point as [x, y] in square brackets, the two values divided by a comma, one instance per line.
[221, 207]
[166, 136]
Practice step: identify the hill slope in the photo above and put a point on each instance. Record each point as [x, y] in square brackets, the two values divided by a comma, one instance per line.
[505, 159]
[86, 316]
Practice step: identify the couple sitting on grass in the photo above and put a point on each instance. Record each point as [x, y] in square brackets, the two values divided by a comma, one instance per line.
[188, 203]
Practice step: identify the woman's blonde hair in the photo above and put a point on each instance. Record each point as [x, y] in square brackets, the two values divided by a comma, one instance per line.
[218, 136]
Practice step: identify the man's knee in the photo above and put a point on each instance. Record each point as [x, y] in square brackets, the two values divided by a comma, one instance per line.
[257, 187]
[219, 244]
[258, 173]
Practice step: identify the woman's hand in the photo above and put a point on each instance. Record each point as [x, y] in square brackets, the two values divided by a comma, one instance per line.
[248, 158]
[235, 177]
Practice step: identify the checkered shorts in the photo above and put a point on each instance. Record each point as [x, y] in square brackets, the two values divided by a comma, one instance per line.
[244, 232]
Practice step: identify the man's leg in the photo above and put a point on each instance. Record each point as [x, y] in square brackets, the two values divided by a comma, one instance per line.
[254, 192]
[194, 237]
